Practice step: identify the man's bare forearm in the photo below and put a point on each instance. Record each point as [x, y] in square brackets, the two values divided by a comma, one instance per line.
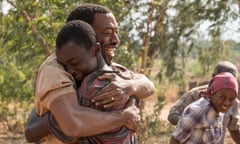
[235, 136]
[141, 86]
[77, 121]
[174, 141]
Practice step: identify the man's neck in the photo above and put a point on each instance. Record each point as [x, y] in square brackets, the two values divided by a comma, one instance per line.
[102, 63]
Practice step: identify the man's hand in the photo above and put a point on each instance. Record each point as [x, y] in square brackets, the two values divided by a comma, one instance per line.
[131, 116]
[36, 127]
[115, 94]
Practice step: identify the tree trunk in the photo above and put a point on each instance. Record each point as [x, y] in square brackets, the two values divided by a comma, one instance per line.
[40, 38]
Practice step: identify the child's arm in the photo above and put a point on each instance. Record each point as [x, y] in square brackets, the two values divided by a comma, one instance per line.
[174, 141]
[235, 136]
[234, 125]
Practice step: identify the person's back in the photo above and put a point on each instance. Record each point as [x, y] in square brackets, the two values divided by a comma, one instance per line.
[90, 86]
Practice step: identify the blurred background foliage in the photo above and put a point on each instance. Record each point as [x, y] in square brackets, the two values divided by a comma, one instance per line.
[160, 38]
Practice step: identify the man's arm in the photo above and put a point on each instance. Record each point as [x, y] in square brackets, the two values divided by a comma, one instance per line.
[120, 89]
[36, 127]
[183, 101]
[39, 127]
[174, 141]
[77, 121]
[177, 109]
[234, 122]
[141, 86]
[235, 136]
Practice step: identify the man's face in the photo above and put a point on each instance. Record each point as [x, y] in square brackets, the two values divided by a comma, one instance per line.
[106, 28]
[223, 99]
[77, 60]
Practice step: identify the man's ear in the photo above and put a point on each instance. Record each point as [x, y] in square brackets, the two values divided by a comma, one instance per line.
[97, 49]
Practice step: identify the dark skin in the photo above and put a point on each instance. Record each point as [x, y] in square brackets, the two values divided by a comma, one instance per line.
[106, 28]
[235, 136]
[221, 101]
[69, 115]
[174, 141]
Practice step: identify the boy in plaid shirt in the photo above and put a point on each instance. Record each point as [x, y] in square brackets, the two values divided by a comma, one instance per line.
[201, 121]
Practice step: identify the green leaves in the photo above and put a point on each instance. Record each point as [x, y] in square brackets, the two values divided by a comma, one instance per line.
[165, 31]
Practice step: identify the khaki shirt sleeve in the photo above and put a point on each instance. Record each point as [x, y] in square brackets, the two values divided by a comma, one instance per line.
[52, 82]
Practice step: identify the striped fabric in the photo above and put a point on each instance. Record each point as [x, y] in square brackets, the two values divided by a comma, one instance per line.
[88, 89]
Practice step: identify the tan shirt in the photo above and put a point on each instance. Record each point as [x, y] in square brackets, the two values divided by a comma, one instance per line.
[52, 81]
[230, 120]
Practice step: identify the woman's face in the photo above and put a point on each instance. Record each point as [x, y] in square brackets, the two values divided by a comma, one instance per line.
[223, 99]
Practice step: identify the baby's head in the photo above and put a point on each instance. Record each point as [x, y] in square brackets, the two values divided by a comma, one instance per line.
[76, 48]
[222, 91]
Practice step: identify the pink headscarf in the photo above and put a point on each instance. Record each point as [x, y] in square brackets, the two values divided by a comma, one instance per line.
[222, 81]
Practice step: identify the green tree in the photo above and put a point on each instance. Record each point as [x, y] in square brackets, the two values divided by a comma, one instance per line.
[28, 33]
[169, 29]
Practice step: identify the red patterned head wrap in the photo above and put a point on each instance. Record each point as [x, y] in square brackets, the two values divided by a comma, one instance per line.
[222, 81]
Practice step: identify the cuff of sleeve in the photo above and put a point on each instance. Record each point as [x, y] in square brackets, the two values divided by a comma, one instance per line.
[181, 136]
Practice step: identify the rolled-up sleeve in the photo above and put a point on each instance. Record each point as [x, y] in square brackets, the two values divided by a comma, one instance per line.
[52, 81]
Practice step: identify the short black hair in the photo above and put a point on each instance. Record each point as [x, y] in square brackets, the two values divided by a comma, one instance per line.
[86, 12]
[78, 32]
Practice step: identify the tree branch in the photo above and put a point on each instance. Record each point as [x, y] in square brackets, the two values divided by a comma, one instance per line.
[34, 29]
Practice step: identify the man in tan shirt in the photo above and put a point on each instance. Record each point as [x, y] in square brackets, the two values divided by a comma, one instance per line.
[55, 88]
[231, 117]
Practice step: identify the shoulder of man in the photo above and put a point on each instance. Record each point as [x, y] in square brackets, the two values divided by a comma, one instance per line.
[124, 72]
[119, 67]
[51, 81]
[51, 61]
[50, 69]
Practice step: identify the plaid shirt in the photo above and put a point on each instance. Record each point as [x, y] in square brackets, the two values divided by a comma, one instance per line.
[88, 89]
[230, 119]
[199, 124]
